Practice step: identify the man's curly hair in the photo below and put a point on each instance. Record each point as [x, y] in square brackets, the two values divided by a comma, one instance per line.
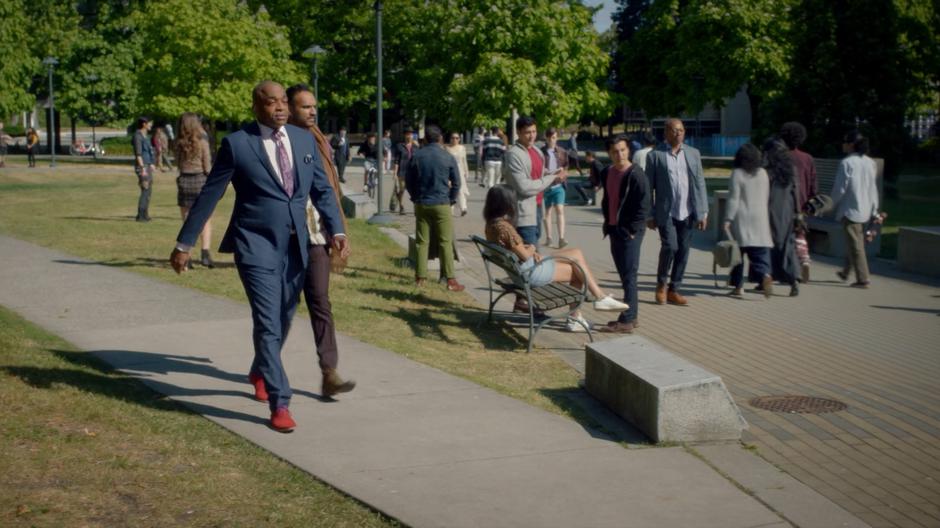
[793, 134]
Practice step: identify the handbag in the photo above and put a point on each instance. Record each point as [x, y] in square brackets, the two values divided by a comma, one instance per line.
[725, 254]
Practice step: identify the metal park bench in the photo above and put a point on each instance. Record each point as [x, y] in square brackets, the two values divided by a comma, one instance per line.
[545, 298]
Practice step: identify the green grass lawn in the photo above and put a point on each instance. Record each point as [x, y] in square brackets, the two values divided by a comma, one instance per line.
[88, 210]
[86, 446]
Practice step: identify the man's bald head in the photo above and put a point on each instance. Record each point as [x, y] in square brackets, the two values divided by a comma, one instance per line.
[269, 103]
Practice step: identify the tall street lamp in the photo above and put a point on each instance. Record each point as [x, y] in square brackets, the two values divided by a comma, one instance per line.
[313, 52]
[51, 63]
[378, 217]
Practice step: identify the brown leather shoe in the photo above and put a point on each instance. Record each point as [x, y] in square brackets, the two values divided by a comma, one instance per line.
[767, 286]
[333, 384]
[674, 297]
[617, 327]
[660, 294]
[454, 286]
[420, 282]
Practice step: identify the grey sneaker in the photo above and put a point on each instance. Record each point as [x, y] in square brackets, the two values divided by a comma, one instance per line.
[562, 243]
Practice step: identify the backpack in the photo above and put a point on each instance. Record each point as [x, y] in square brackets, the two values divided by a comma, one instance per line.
[725, 254]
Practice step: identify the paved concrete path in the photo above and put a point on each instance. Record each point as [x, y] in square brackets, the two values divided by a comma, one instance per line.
[422, 446]
[876, 350]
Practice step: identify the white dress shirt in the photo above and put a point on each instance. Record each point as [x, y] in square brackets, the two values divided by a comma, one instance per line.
[679, 180]
[267, 141]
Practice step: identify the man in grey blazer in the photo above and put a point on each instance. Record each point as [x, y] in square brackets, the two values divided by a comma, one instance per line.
[273, 167]
[677, 183]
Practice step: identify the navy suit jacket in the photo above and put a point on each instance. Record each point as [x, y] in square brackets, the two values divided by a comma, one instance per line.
[263, 218]
[657, 171]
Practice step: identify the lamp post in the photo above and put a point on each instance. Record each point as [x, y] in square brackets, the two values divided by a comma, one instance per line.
[313, 52]
[378, 217]
[51, 63]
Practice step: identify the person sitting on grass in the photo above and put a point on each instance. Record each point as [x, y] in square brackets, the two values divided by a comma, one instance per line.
[499, 211]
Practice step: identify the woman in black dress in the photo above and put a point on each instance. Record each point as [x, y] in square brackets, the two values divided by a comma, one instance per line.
[783, 211]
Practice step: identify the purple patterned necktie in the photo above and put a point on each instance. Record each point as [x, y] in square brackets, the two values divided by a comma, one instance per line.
[283, 162]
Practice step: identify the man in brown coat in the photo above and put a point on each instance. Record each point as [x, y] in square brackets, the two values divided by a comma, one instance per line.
[303, 113]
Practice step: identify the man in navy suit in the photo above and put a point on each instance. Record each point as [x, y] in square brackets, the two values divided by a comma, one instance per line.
[273, 167]
[677, 182]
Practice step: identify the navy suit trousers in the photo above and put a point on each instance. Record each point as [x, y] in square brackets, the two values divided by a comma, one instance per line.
[273, 295]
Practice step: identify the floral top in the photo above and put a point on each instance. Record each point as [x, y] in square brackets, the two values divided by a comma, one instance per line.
[503, 233]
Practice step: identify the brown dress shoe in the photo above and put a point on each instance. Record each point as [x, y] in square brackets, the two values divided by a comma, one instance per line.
[454, 286]
[420, 282]
[617, 327]
[660, 294]
[333, 384]
[674, 297]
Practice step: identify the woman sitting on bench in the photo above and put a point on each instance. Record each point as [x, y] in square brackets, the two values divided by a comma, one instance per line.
[500, 215]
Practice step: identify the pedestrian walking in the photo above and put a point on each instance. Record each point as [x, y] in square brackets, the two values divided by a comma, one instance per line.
[793, 135]
[32, 143]
[460, 155]
[625, 208]
[747, 218]
[194, 161]
[433, 182]
[855, 198]
[556, 162]
[783, 213]
[274, 167]
[493, 151]
[143, 167]
[677, 181]
[303, 114]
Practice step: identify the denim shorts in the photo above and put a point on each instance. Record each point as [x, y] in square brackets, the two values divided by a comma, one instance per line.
[539, 274]
[555, 195]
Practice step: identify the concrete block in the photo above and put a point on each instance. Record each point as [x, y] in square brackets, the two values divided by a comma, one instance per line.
[919, 250]
[664, 395]
[434, 263]
[358, 205]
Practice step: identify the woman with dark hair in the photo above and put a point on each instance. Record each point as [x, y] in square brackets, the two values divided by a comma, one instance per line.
[784, 192]
[194, 163]
[499, 211]
[855, 199]
[747, 218]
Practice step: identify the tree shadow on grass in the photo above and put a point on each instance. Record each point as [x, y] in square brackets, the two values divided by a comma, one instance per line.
[118, 386]
[144, 365]
[137, 263]
[430, 322]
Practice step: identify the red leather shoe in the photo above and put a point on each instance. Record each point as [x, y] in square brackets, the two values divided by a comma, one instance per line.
[281, 420]
[261, 394]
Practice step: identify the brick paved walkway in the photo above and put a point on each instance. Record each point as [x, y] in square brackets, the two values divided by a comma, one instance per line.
[875, 350]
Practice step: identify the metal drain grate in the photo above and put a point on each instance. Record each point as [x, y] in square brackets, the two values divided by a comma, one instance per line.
[797, 404]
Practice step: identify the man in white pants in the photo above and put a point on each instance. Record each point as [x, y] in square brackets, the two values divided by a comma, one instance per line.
[493, 150]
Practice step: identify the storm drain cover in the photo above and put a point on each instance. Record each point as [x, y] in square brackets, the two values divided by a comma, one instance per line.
[797, 404]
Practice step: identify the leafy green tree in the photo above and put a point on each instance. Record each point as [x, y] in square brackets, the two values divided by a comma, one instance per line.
[459, 62]
[18, 64]
[99, 81]
[867, 63]
[688, 53]
[206, 57]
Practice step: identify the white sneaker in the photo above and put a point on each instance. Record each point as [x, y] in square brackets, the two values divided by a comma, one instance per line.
[573, 325]
[549, 241]
[609, 304]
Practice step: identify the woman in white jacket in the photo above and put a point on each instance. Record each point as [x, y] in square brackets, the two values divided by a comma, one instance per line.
[747, 218]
